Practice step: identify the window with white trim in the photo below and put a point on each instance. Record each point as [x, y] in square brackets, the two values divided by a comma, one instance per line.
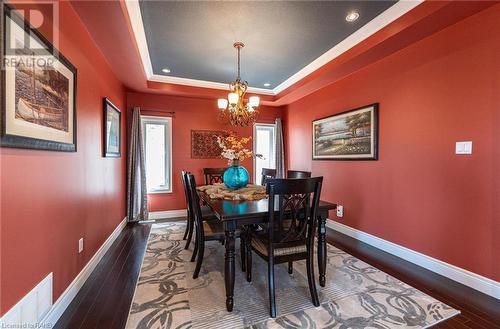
[264, 139]
[157, 139]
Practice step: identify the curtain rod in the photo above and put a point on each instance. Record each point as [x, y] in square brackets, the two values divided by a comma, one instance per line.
[172, 113]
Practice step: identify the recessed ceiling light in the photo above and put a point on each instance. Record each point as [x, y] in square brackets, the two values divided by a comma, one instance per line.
[165, 70]
[352, 16]
[267, 84]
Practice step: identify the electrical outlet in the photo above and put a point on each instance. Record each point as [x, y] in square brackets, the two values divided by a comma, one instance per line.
[80, 245]
[340, 211]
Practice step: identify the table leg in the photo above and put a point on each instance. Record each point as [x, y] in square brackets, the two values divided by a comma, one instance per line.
[322, 250]
[229, 269]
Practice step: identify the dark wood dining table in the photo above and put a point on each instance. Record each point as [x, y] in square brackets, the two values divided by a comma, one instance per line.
[235, 213]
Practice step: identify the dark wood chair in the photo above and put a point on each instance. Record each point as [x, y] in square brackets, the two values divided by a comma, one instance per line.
[298, 174]
[211, 230]
[289, 234]
[267, 174]
[213, 175]
[207, 213]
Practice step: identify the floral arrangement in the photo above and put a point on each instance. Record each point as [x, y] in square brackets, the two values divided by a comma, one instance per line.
[233, 149]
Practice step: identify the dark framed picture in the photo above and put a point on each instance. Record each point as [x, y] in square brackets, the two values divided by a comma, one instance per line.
[38, 89]
[350, 135]
[112, 129]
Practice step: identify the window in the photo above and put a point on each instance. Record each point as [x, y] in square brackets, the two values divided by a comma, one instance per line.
[157, 139]
[264, 138]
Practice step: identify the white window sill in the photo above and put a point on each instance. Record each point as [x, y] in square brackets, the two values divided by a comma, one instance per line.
[160, 192]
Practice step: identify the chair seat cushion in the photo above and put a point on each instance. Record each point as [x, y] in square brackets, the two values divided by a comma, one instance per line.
[261, 245]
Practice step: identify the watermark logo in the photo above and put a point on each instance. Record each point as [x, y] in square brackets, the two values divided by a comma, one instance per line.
[31, 34]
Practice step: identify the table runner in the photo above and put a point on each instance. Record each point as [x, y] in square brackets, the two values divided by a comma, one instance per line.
[220, 191]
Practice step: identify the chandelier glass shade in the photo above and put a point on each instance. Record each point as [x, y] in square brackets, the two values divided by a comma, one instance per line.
[233, 109]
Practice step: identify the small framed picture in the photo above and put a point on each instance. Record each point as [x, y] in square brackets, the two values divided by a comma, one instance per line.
[38, 89]
[112, 129]
[350, 135]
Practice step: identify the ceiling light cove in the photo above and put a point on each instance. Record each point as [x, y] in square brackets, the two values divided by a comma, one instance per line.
[156, 24]
[352, 16]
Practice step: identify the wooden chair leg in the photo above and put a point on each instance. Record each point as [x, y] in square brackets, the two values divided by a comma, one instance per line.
[195, 250]
[272, 296]
[186, 231]
[199, 260]
[248, 259]
[243, 253]
[190, 234]
[311, 280]
[290, 267]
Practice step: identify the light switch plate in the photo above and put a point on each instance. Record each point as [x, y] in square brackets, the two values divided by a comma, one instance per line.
[463, 147]
[80, 245]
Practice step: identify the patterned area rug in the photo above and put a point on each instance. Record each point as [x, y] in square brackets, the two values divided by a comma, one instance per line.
[357, 295]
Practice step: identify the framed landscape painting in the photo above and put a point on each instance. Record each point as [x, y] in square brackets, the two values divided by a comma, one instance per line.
[38, 90]
[351, 135]
[112, 129]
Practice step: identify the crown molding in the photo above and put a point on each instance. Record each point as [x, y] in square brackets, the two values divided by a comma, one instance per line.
[394, 12]
[204, 84]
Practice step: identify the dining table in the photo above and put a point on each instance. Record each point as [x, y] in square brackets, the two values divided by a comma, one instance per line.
[236, 213]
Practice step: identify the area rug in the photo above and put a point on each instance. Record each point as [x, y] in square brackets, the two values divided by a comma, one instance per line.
[356, 295]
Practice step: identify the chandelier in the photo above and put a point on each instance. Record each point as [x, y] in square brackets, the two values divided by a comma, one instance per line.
[233, 110]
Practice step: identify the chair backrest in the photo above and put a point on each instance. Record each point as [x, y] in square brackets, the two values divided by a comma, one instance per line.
[298, 174]
[194, 202]
[298, 201]
[213, 175]
[267, 174]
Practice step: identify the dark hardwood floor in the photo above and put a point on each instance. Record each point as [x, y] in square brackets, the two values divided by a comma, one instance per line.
[104, 300]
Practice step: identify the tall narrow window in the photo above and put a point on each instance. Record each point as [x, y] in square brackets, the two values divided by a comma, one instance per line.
[157, 138]
[264, 136]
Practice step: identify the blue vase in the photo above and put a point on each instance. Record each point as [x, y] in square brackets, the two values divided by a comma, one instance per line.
[236, 176]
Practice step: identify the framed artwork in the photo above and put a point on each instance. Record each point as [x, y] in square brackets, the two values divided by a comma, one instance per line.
[38, 90]
[112, 129]
[204, 144]
[351, 135]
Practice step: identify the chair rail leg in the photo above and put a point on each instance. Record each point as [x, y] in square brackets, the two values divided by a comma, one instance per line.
[311, 280]
[243, 253]
[199, 260]
[195, 250]
[272, 295]
[190, 234]
[249, 261]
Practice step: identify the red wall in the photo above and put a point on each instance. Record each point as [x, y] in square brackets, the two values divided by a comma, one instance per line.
[419, 194]
[196, 114]
[49, 200]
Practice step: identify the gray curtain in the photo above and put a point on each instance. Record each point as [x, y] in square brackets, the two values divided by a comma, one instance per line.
[280, 150]
[137, 196]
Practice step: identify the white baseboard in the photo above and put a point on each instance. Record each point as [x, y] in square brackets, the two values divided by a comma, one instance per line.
[32, 308]
[467, 278]
[67, 296]
[168, 214]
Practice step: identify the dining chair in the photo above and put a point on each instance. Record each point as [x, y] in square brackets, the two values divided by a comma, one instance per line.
[206, 230]
[267, 174]
[213, 175]
[207, 214]
[298, 174]
[289, 235]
